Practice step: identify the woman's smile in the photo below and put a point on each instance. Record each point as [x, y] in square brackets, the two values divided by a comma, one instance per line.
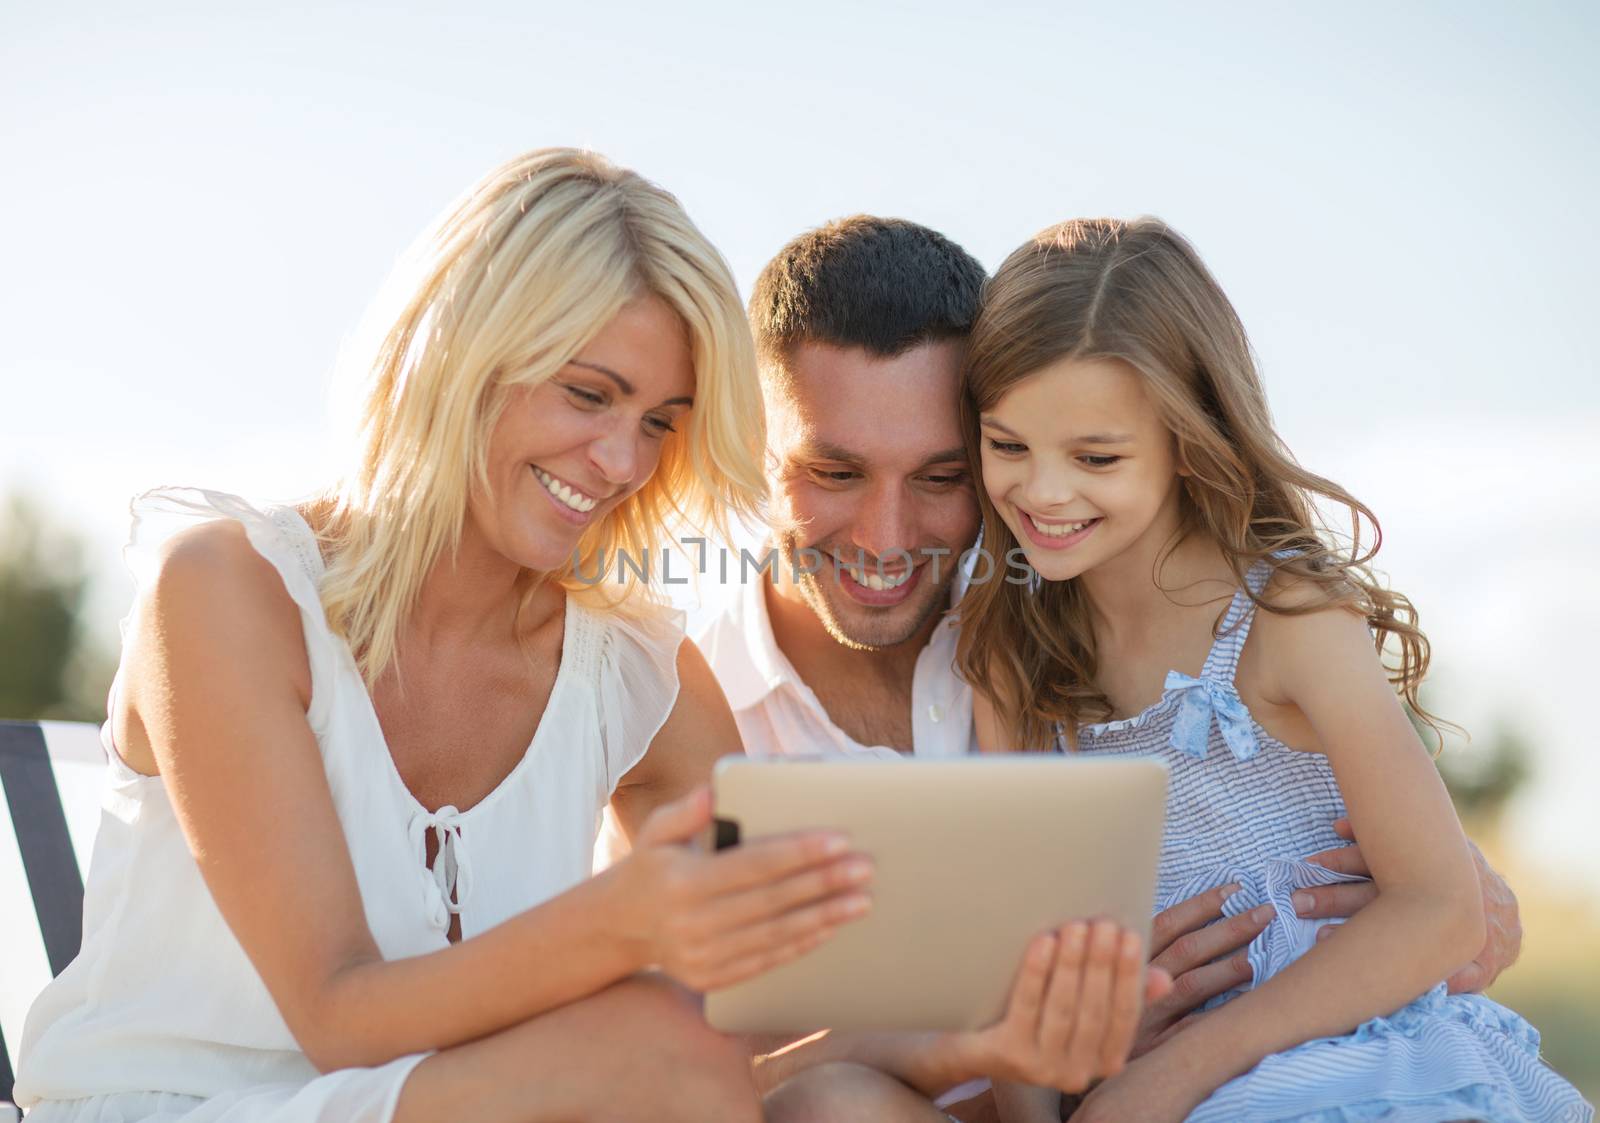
[570, 502]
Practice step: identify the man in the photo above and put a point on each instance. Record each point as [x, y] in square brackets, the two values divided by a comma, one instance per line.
[848, 646]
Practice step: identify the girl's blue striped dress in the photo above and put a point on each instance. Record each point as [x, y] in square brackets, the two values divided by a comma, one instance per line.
[1243, 807]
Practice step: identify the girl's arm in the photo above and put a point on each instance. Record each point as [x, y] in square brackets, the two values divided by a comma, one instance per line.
[214, 698]
[1427, 919]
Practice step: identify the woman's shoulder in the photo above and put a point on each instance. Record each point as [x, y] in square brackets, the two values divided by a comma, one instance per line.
[627, 638]
[213, 570]
[207, 596]
[205, 529]
[632, 655]
[201, 545]
[197, 551]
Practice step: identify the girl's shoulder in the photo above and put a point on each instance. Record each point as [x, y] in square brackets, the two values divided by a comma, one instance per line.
[1307, 655]
[1298, 635]
[1300, 616]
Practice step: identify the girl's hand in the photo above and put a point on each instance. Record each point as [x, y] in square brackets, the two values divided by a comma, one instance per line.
[1150, 1090]
[1072, 1012]
[713, 919]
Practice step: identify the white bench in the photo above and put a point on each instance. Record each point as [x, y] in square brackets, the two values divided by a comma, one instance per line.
[54, 774]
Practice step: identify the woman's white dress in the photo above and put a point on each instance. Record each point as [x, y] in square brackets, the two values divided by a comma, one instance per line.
[162, 1017]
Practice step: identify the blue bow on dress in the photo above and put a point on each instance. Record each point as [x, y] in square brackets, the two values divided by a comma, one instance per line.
[1204, 697]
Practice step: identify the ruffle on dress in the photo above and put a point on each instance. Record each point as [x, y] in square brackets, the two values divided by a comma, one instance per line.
[1441, 1057]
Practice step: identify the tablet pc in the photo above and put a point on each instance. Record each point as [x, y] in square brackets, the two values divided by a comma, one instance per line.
[973, 858]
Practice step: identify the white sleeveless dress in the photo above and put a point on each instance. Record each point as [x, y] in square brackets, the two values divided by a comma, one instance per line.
[162, 1017]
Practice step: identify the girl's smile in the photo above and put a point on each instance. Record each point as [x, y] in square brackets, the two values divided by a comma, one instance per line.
[1051, 535]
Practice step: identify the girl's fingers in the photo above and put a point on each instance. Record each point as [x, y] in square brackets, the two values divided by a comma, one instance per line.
[812, 884]
[1060, 1011]
[1094, 1006]
[1125, 1005]
[1026, 1003]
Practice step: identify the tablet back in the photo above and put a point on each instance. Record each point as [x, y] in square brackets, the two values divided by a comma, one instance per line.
[973, 858]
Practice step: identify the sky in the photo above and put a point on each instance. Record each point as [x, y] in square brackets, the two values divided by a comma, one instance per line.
[197, 201]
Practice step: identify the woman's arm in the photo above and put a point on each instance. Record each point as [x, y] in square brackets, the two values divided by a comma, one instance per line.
[733, 938]
[214, 699]
[1427, 919]
[699, 732]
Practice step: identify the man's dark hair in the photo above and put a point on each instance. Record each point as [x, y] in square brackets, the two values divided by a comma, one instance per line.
[883, 284]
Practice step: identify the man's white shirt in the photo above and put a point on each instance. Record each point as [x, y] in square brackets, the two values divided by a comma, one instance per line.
[778, 713]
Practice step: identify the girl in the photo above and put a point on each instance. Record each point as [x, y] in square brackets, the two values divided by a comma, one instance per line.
[1191, 606]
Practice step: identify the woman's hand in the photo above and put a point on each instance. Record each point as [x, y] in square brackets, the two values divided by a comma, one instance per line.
[713, 919]
[1072, 1013]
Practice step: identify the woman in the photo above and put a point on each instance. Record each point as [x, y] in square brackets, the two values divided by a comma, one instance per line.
[360, 748]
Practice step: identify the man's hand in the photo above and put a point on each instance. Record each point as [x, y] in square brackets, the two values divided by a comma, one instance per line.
[1204, 954]
[1502, 918]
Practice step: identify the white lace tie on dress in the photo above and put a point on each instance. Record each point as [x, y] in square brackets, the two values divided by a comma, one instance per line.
[448, 884]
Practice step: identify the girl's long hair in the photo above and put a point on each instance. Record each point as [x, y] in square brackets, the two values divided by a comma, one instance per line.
[1138, 292]
[501, 292]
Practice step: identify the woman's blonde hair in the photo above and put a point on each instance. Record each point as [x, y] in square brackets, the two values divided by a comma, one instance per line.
[1138, 292]
[501, 292]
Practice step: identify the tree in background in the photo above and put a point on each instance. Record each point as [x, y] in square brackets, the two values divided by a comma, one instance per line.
[47, 669]
[1483, 773]
[1483, 778]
